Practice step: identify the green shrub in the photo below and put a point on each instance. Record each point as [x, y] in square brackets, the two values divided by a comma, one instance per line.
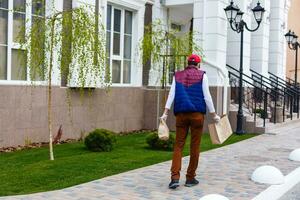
[263, 114]
[100, 140]
[155, 143]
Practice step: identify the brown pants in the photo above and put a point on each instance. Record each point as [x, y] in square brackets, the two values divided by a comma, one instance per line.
[184, 122]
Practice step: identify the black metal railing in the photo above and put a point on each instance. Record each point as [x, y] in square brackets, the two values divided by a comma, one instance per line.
[262, 97]
[289, 81]
[281, 87]
[291, 86]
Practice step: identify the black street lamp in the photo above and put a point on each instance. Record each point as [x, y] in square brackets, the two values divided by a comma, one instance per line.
[292, 40]
[237, 24]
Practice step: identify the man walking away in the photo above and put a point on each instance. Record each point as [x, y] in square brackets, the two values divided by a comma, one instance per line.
[190, 90]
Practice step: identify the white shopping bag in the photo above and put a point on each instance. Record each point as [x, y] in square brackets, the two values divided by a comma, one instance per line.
[163, 130]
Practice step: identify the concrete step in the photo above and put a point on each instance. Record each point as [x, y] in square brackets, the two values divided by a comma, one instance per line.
[274, 127]
[250, 125]
[257, 126]
[295, 115]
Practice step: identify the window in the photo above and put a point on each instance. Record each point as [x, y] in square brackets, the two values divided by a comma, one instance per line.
[119, 43]
[19, 16]
[3, 38]
[66, 45]
[18, 57]
[38, 8]
[117, 32]
[176, 27]
[18, 65]
[38, 25]
[13, 16]
[3, 62]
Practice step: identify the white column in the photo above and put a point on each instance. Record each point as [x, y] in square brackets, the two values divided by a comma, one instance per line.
[277, 54]
[159, 12]
[138, 33]
[210, 27]
[234, 39]
[260, 41]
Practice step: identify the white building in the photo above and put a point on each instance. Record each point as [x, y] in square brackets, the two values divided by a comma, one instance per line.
[264, 51]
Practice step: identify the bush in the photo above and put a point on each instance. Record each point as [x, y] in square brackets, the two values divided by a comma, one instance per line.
[100, 140]
[263, 114]
[155, 143]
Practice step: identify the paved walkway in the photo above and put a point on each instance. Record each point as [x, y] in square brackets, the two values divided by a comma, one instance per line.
[294, 194]
[225, 171]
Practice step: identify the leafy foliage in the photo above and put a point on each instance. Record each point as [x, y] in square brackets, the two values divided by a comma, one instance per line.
[155, 143]
[100, 140]
[84, 63]
[159, 41]
[71, 42]
[263, 114]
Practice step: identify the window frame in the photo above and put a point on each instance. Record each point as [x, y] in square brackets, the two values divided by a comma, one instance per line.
[12, 45]
[7, 37]
[120, 57]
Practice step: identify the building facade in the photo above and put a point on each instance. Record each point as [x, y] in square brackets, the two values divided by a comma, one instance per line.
[132, 103]
[293, 24]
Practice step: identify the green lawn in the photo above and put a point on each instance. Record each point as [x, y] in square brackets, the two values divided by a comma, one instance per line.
[30, 171]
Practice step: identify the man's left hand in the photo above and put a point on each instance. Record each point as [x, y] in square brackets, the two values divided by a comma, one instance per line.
[216, 118]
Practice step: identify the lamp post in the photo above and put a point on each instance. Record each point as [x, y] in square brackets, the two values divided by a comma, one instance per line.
[292, 40]
[237, 24]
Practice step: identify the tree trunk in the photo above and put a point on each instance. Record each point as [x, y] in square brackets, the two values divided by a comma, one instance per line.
[50, 92]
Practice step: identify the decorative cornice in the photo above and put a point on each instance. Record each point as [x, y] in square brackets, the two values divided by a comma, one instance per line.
[133, 4]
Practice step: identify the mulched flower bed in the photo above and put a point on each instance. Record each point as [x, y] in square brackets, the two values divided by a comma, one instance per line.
[32, 146]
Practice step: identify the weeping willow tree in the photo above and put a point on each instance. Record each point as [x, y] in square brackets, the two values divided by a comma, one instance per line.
[166, 48]
[71, 41]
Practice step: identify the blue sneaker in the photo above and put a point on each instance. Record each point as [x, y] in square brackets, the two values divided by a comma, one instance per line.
[174, 184]
[191, 183]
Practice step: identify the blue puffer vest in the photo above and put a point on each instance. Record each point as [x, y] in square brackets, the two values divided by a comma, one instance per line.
[189, 94]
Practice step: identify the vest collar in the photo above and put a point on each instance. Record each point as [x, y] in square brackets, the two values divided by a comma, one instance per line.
[191, 67]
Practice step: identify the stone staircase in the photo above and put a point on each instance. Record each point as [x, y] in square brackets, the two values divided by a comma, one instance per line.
[252, 126]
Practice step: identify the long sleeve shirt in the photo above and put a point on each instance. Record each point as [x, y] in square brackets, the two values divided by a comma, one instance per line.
[206, 93]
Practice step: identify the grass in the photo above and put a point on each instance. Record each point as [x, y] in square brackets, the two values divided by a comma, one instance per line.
[30, 171]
